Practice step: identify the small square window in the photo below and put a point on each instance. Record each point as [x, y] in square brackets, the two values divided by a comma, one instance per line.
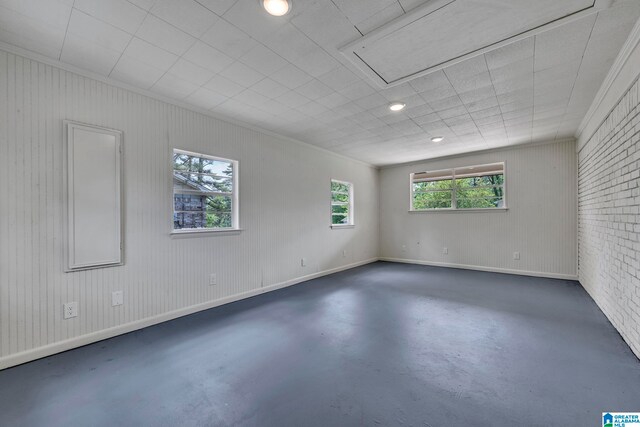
[204, 192]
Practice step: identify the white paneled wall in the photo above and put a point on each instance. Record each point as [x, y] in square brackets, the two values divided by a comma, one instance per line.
[540, 222]
[284, 213]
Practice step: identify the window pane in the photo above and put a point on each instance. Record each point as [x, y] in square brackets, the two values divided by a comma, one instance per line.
[492, 202]
[187, 181]
[338, 219]
[479, 193]
[187, 163]
[432, 200]
[444, 184]
[339, 197]
[218, 220]
[341, 209]
[188, 220]
[188, 202]
[193, 211]
[480, 181]
[338, 186]
[218, 203]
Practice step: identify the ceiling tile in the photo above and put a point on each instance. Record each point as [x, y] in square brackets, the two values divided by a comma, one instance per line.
[149, 54]
[173, 86]
[90, 56]
[380, 18]
[292, 99]
[187, 15]
[269, 88]
[224, 86]
[314, 89]
[163, 35]
[359, 10]
[263, 59]
[510, 53]
[566, 43]
[291, 76]
[119, 13]
[228, 39]
[242, 74]
[208, 57]
[94, 31]
[30, 33]
[51, 13]
[134, 72]
[143, 4]
[191, 72]
[323, 23]
[253, 20]
[219, 7]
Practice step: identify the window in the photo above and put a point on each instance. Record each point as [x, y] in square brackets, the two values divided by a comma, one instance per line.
[205, 195]
[472, 187]
[341, 203]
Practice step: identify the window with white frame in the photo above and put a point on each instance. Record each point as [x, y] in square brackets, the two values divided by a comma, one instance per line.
[205, 193]
[471, 187]
[341, 203]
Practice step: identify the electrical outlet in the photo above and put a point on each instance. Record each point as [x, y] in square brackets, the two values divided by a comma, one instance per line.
[344, 253]
[516, 255]
[303, 262]
[213, 279]
[117, 298]
[70, 310]
[445, 250]
[404, 248]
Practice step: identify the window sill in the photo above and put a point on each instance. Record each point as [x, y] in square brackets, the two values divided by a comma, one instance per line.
[343, 226]
[204, 232]
[459, 210]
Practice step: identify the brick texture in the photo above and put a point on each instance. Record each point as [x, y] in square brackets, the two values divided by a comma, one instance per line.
[609, 217]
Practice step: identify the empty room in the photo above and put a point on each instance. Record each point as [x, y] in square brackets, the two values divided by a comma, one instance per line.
[320, 213]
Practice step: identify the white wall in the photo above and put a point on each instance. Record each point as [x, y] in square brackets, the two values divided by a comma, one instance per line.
[284, 213]
[540, 221]
[609, 196]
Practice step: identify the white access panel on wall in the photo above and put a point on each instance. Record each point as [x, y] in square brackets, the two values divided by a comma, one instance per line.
[94, 197]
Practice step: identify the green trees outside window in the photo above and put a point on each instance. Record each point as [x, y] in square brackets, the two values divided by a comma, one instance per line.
[477, 187]
[203, 191]
[341, 203]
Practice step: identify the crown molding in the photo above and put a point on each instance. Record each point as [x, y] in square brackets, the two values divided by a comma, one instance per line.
[27, 54]
[587, 129]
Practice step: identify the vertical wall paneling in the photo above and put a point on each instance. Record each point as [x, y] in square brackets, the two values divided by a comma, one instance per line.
[540, 222]
[284, 198]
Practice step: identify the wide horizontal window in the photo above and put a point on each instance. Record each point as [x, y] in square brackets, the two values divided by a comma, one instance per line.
[204, 192]
[472, 187]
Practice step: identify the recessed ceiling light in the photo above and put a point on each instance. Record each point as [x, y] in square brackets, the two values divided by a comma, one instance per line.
[437, 139]
[277, 7]
[397, 106]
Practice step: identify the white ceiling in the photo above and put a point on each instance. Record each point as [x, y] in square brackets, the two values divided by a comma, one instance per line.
[288, 76]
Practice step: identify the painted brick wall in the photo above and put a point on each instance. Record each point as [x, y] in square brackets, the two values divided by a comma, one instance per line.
[609, 216]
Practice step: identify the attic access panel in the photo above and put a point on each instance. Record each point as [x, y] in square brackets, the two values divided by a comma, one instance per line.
[444, 32]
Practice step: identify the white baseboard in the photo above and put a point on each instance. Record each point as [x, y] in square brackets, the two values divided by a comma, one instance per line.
[481, 268]
[50, 349]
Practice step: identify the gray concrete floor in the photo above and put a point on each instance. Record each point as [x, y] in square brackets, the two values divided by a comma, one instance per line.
[384, 344]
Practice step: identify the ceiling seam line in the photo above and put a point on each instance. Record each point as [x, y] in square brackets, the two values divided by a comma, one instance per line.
[73, 6]
[586, 46]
